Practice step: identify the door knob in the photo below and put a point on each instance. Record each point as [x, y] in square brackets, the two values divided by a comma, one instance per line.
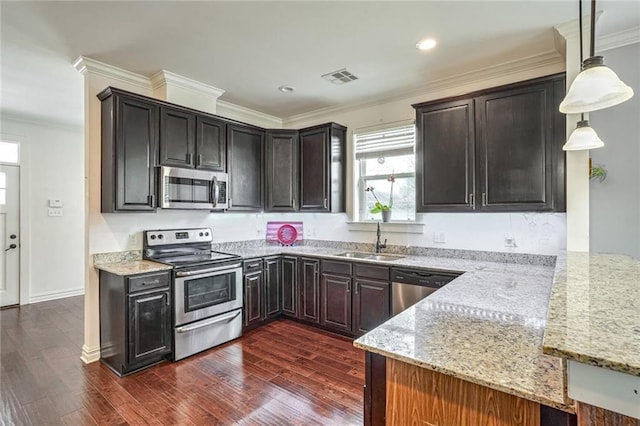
[12, 246]
[12, 236]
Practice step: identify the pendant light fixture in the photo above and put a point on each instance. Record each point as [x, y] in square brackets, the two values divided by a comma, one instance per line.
[597, 86]
[583, 137]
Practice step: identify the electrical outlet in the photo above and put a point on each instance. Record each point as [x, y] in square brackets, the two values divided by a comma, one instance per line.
[439, 237]
[509, 241]
[55, 212]
[133, 239]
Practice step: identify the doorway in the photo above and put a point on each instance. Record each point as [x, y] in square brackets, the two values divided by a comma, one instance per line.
[9, 233]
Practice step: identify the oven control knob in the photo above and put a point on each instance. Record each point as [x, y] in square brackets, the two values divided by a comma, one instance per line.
[153, 237]
[206, 234]
[201, 234]
[160, 236]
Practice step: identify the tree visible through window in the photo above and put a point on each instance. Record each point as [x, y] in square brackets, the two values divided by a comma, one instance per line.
[380, 154]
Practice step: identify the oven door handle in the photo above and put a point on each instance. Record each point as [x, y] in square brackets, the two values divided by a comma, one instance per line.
[217, 320]
[205, 271]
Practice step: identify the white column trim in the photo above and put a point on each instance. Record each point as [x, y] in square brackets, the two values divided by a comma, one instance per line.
[86, 65]
[90, 355]
[164, 77]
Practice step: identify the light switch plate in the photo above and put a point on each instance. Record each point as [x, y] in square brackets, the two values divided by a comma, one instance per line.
[55, 202]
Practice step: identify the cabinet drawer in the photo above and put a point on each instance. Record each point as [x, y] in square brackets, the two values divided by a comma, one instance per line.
[333, 267]
[148, 282]
[372, 271]
[253, 265]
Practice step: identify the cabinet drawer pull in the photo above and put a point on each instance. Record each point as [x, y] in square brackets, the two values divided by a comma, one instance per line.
[154, 282]
[253, 265]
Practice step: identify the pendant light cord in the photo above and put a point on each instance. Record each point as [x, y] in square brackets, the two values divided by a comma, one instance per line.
[592, 52]
[581, 45]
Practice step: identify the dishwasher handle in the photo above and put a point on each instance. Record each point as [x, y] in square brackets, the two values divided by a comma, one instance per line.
[421, 278]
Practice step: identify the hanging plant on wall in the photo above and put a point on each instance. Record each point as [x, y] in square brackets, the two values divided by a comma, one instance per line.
[598, 172]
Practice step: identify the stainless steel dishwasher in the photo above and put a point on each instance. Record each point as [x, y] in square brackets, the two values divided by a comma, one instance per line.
[409, 286]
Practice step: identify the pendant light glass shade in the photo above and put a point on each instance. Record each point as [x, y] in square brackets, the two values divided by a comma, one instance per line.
[583, 137]
[596, 87]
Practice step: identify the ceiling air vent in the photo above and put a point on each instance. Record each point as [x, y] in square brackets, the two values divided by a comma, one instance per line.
[339, 77]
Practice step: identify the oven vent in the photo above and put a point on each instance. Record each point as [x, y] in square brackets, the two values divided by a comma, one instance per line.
[339, 77]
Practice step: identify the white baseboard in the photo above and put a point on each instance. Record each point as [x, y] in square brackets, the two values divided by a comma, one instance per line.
[53, 295]
[90, 355]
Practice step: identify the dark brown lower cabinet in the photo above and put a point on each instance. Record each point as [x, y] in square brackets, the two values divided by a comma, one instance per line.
[272, 284]
[290, 286]
[370, 304]
[135, 320]
[309, 290]
[253, 298]
[335, 301]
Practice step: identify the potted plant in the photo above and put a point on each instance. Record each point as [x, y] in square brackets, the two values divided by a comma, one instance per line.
[379, 207]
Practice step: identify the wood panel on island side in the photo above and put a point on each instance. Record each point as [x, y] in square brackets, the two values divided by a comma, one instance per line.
[279, 374]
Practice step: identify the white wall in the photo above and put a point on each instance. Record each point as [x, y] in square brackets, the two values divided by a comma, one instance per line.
[52, 163]
[615, 203]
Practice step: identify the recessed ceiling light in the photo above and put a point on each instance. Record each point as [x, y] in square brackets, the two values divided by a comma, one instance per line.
[426, 44]
[286, 89]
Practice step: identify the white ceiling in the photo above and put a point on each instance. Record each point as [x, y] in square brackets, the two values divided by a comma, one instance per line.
[249, 49]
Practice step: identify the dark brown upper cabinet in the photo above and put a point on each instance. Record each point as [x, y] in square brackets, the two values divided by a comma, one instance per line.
[445, 156]
[192, 140]
[322, 168]
[177, 137]
[211, 144]
[245, 153]
[496, 150]
[281, 170]
[130, 126]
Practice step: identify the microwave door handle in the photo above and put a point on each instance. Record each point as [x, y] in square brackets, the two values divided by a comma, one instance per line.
[213, 192]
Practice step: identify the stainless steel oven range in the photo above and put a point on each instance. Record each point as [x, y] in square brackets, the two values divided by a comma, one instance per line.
[207, 288]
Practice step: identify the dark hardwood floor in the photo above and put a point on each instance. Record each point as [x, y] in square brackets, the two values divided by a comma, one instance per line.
[283, 373]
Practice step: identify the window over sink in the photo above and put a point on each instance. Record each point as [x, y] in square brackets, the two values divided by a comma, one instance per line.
[385, 157]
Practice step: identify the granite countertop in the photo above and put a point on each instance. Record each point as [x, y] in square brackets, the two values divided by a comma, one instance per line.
[486, 326]
[594, 311]
[132, 267]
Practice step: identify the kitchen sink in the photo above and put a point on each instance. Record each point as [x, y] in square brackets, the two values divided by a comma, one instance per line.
[370, 256]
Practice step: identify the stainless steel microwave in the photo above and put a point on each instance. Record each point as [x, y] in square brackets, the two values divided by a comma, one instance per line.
[191, 189]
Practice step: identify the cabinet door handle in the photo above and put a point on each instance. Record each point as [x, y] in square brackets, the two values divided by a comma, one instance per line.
[168, 302]
[471, 201]
[356, 289]
[294, 204]
[150, 200]
[484, 198]
[199, 160]
[326, 203]
[348, 288]
[230, 202]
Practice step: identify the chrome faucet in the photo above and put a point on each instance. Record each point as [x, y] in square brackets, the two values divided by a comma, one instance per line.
[379, 245]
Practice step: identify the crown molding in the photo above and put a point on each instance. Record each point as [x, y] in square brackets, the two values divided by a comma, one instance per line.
[86, 65]
[619, 39]
[541, 64]
[240, 113]
[164, 77]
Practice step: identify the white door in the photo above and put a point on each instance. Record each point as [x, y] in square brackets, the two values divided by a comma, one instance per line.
[9, 237]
